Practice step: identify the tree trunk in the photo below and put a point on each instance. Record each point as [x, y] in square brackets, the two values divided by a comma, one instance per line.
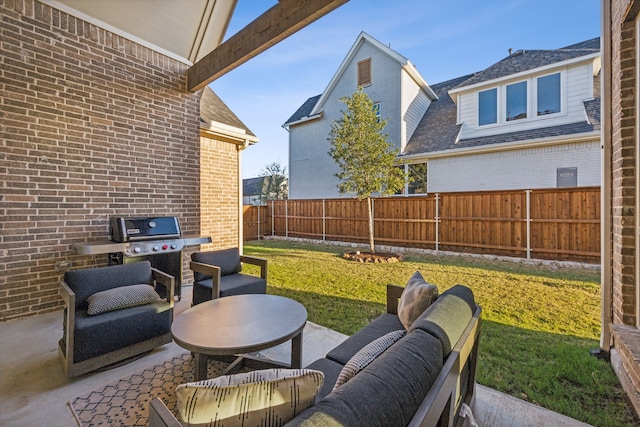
[372, 246]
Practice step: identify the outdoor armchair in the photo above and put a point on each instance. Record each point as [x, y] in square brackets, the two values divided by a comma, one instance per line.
[219, 274]
[112, 314]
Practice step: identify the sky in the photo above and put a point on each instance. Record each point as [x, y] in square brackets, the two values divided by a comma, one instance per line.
[443, 39]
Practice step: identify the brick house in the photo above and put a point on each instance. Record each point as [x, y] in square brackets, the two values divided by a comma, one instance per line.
[531, 120]
[621, 190]
[102, 114]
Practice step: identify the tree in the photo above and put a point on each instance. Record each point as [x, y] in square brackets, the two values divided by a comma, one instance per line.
[275, 185]
[365, 157]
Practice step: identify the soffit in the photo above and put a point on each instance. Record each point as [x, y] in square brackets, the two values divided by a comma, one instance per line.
[186, 30]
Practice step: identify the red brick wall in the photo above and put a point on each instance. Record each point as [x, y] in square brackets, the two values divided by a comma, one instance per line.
[623, 107]
[92, 125]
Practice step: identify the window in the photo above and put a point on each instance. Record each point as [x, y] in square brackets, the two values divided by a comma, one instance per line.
[418, 178]
[548, 94]
[364, 72]
[488, 107]
[516, 101]
[376, 109]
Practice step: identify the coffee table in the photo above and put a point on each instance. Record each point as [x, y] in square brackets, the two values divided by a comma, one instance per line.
[240, 324]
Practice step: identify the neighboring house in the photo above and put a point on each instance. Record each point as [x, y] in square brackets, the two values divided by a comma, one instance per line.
[257, 191]
[252, 191]
[532, 120]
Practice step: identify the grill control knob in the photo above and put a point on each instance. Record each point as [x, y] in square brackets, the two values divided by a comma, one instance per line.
[136, 250]
[174, 246]
[156, 248]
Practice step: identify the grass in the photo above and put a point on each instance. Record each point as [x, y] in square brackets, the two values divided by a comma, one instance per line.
[539, 323]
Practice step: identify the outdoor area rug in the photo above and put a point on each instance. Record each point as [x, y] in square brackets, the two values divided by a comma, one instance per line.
[126, 401]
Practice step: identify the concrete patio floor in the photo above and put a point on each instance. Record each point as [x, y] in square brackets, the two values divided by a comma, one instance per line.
[35, 391]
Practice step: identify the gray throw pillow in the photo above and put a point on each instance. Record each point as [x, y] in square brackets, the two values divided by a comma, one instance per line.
[417, 296]
[121, 297]
[366, 355]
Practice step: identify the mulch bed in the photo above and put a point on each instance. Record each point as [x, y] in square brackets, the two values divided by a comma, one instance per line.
[376, 257]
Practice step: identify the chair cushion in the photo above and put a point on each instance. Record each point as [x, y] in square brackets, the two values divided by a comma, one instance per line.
[258, 398]
[367, 354]
[448, 317]
[114, 330]
[386, 393]
[416, 297]
[378, 327]
[233, 284]
[121, 297]
[86, 282]
[227, 259]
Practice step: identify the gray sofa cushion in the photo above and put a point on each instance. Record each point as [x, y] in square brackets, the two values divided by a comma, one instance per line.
[448, 317]
[378, 327]
[331, 370]
[387, 393]
[87, 282]
[227, 259]
[233, 284]
[101, 334]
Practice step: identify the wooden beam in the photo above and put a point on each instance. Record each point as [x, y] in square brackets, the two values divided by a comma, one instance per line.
[273, 26]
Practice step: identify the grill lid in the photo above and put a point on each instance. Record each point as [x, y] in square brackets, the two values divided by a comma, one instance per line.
[148, 228]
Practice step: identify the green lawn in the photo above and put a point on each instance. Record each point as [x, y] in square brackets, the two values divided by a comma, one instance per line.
[539, 323]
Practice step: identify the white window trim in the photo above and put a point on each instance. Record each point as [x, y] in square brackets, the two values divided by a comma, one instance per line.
[532, 100]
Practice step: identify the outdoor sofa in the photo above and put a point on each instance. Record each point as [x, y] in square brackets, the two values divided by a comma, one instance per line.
[422, 379]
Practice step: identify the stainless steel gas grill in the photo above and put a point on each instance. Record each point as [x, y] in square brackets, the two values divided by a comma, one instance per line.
[156, 239]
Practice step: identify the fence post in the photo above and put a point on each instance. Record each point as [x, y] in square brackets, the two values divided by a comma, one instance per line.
[528, 223]
[324, 221]
[273, 215]
[373, 220]
[258, 223]
[286, 218]
[437, 221]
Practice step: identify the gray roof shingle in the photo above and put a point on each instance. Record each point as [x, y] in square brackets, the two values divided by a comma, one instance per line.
[304, 110]
[524, 60]
[212, 108]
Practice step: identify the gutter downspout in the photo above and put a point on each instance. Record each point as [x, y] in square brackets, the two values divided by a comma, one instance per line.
[606, 274]
[240, 148]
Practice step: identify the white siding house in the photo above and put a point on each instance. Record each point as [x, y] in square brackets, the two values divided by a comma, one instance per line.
[532, 120]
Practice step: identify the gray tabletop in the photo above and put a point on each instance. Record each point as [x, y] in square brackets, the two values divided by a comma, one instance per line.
[239, 324]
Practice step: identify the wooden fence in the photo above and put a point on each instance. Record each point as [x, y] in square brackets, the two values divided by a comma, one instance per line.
[559, 224]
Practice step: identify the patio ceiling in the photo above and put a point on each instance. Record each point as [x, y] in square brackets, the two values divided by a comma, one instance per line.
[193, 31]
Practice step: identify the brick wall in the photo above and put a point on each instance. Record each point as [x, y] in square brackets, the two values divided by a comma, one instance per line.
[92, 125]
[623, 106]
[219, 193]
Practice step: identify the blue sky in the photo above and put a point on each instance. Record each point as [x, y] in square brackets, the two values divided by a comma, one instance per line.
[443, 39]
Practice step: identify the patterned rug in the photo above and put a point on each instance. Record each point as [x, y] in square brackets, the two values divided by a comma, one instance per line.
[126, 401]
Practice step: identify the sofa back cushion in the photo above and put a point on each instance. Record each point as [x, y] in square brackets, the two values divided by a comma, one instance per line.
[387, 392]
[227, 259]
[86, 282]
[448, 317]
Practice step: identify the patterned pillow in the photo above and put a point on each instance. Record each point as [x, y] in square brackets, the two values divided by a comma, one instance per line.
[121, 297]
[417, 296]
[366, 355]
[268, 397]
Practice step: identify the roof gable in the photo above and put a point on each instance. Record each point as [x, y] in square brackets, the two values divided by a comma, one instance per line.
[360, 40]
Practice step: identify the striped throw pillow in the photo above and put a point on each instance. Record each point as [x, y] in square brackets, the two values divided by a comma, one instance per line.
[269, 397]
